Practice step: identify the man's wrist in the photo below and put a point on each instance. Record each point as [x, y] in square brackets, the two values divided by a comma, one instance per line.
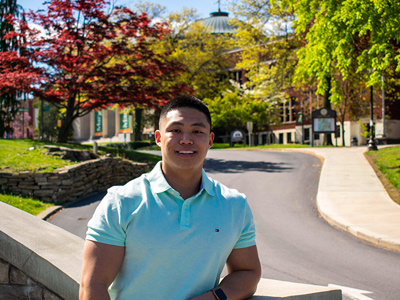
[212, 294]
[219, 294]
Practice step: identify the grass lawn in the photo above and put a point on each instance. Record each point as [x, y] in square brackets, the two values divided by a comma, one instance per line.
[28, 205]
[15, 156]
[386, 163]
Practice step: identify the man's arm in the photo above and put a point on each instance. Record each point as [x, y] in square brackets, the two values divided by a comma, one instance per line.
[101, 263]
[244, 273]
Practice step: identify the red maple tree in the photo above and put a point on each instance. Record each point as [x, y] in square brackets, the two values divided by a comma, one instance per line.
[85, 58]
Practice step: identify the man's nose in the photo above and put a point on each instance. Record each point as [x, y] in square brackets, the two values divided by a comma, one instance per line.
[186, 139]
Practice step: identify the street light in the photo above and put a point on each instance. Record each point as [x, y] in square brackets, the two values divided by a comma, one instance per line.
[383, 108]
[371, 142]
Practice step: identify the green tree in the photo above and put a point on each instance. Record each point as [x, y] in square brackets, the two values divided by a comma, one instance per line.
[8, 100]
[338, 34]
[204, 54]
[239, 105]
[51, 119]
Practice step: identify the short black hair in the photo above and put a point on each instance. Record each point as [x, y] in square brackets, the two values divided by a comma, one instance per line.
[188, 101]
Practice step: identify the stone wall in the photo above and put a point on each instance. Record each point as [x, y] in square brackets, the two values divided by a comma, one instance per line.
[15, 284]
[72, 182]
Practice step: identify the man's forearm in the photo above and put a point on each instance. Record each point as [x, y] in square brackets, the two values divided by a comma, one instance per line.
[94, 292]
[240, 285]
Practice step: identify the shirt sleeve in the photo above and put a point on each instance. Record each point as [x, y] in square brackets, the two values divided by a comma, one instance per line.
[106, 224]
[248, 234]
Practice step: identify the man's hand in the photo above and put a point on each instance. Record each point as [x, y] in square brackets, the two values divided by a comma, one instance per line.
[101, 263]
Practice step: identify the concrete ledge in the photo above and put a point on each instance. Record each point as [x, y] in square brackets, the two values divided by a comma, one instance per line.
[53, 257]
[46, 253]
[275, 289]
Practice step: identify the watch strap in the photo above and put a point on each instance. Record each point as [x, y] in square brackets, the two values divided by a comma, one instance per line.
[219, 294]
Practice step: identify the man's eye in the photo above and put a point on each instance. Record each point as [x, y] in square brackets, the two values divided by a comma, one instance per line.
[197, 131]
[174, 130]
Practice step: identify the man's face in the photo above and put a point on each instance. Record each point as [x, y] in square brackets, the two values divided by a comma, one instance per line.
[184, 138]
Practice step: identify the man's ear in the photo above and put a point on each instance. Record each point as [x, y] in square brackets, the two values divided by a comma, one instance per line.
[157, 136]
[211, 140]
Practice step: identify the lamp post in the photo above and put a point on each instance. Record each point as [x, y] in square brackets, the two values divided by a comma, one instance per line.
[383, 107]
[302, 122]
[371, 142]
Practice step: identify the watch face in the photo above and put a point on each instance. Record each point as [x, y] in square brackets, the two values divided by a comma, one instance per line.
[220, 294]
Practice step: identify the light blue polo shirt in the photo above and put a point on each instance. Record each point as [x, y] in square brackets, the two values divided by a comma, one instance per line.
[175, 249]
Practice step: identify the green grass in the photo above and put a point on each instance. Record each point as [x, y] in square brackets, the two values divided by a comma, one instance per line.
[15, 157]
[28, 205]
[387, 162]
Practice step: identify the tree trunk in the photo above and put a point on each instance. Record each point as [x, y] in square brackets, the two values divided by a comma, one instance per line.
[64, 130]
[138, 124]
[343, 139]
[66, 122]
[327, 104]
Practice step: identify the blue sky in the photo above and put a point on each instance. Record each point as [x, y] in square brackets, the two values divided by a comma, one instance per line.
[203, 7]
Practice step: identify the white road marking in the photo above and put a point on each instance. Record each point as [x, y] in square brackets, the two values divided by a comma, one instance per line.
[352, 293]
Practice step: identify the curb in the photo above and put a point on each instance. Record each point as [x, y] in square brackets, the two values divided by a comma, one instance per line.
[48, 212]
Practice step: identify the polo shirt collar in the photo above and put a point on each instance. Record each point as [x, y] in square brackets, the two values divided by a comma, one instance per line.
[159, 184]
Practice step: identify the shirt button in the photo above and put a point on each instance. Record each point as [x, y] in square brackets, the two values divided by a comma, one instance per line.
[185, 207]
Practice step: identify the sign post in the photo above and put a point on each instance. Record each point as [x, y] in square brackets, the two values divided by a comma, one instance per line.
[250, 130]
[323, 121]
[237, 136]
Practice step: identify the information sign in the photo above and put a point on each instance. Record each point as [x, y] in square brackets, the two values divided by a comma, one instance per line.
[124, 123]
[324, 121]
[98, 123]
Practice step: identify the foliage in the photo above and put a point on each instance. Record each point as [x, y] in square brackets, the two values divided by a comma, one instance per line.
[8, 99]
[338, 34]
[203, 53]
[87, 59]
[268, 57]
[50, 119]
[28, 205]
[365, 129]
[236, 107]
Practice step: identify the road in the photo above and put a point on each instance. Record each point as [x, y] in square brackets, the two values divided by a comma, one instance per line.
[294, 243]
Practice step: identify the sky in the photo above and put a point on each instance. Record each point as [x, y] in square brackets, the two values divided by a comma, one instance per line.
[203, 7]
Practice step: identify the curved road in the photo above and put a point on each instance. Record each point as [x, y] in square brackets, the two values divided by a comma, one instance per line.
[294, 243]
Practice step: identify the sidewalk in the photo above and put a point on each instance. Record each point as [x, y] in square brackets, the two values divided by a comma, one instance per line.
[352, 198]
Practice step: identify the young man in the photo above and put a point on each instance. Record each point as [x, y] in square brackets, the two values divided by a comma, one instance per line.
[169, 233]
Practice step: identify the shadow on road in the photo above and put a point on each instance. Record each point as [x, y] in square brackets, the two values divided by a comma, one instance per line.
[227, 166]
[87, 200]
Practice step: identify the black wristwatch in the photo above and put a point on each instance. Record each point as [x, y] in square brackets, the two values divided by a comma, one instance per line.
[219, 294]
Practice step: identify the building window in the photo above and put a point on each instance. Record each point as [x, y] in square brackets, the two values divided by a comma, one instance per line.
[306, 134]
[338, 131]
[288, 112]
[288, 137]
[281, 138]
